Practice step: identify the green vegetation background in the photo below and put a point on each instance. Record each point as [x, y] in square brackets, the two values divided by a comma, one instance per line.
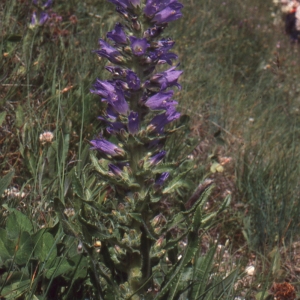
[240, 87]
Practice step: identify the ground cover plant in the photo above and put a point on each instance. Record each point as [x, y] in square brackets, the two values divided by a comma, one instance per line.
[65, 230]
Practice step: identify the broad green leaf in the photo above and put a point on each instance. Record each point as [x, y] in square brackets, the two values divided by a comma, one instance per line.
[5, 181]
[72, 268]
[24, 248]
[62, 266]
[15, 290]
[45, 248]
[17, 223]
[4, 251]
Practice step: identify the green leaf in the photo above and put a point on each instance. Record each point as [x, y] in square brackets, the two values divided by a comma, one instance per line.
[190, 251]
[12, 37]
[176, 182]
[62, 266]
[77, 186]
[72, 268]
[63, 147]
[45, 248]
[197, 218]
[15, 290]
[202, 268]
[30, 161]
[4, 251]
[17, 223]
[97, 165]
[19, 116]
[5, 181]
[24, 249]
[92, 230]
[2, 118]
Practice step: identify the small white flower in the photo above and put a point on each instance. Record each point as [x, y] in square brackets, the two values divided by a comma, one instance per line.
[250, 270]
[13, 193]
[46, 137]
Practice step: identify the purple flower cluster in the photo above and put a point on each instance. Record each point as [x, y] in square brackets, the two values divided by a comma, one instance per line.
[39, 19]
[44, 14]
[137, 99]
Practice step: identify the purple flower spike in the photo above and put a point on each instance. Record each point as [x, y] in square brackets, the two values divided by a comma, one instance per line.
[160, 101]
[112, 127]
[107, 147]
[153, 6]
[133, 122]
[111, 113]
[163, 11]
[119, 103]
[116, 71]
[115, 170]
[167, 78]
[154, 31]
[112, 95]
[161, 179]
[103, 88]
[109, 52]
[159, 122]
[170, 13]
[118, 35]
[157, 158]
[138, 46]
[133, 81]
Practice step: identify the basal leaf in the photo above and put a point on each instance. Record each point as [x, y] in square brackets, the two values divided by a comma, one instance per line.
[24, 248]
[15, 290]
[44, 248]
[17, 223]
[5, 181]
[62, 266]
[4, 251]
